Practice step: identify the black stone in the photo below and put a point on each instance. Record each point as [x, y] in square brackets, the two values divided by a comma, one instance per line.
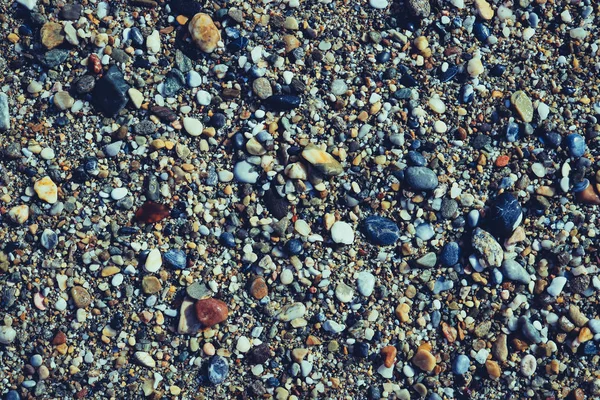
[282, 102]
[71, 12]
[449, 73]
[505, 214]
[110, 94]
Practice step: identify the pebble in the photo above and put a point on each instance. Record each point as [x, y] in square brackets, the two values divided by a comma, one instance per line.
[7, 335]
[461, 364]
[506, 214]
[48, 239]
[218, 370]
[421, 178]
[4, 113]
[366, 283]
[81, 297]
[555, 288]
[204, 32]
[144, 359]
[378, 4]
[175, 259]
[63, 100]
[342, 232]
[153, 261]
[450, 254]
[522, 105]
[528, 365]
[344, 293]
[515, 272]
[576, 145]
[322, 161]
[245, 172]
[487, 247]
[381, 231]
[424, 360]
[46, 190]
[211, 312]
[203, 97]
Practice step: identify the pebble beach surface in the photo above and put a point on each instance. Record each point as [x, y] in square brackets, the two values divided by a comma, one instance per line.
[328, 199]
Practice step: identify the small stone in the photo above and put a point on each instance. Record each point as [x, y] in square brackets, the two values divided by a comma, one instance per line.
[175, 258]
[151, 284]
[71, 12]
[322, 161]
[424, 360]
[493, 369]
[515, 272]
[262, 88]
[450, 254]
[366, 283]
[461, 365]
[292, 311]
[259, 288]
[203, 97]
[7, 334]
[528, 365]
[342, 232]
[344, 293]
[380, 230]
[204, 32]
[136, 97]
[49, 239]
[428, 260]
[475, 67]
[110, 92]
[4, 113]
[193, 79]
[388, 353]
[259, 354]
[555, 288]
[484, 9]
[153, 261]
[522, 105]
[211, 312]
[28, 4]
[63, 100]
[243, 344]
[46, 190]
[218, 369]
[198, 290]
[118, 193]
[488, 247]
[144, 359]
[81, 297]
[421, 178]
[419, 8]
[282, 102]
[575, 145]
[19, 214]
[244, 172]
[500, 348]
[51, 35]
[153, 42]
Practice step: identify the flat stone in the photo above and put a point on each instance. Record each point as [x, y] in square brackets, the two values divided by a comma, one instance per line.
[342, 232]
[46, 190]
[7, 334]
[344, 293]
[110, 92]
[144, 359]
[153, 261]
[515, 272]
[322, 161]
[366, 283]
[136, 97]
[151, 284]
[51, 35]
[292, 311]
[259, 288]
[424, 360]
[188, 320]
[4, 113]
[19, 214]
[380, 230]
[505, 214]
[262, 88]
[175, 258]
[193, 126]
[523, 105]
[218, 370]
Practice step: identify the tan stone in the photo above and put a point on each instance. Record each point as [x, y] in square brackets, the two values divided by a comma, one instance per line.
[51, 35]
[424, 360]
[484, 9]
[46, 190]
[205, 33]
[19, 214]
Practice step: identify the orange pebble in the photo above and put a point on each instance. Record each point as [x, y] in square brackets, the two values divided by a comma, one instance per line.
[502, 161]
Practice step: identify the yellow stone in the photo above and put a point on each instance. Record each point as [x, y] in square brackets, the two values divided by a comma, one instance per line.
[424, 360]
[204, 32]
[484, 9]
[522, 103]
[110, 271]
[19, 214]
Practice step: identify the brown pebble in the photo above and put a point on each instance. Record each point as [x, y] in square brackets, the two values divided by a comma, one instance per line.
[59, 338]
[424, 360]
[493, 369]
[389, 356]
[151, 284]
[211, 312]
[81, 297]
[258, 288]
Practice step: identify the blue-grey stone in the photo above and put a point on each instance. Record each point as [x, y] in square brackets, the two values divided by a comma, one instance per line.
[529, 331]
[12, 395]
[424, 231]
[282, 102]
[420, 178]
[4, 113]
[218, 369]
[575, 145]
[505, 214]
[442, 284]
[54, 57]
[48, 239]
[512, 132]
[174, 82]
[450, 254]
[515, 272]
[175, 258]
[110, 93]
[461, 365]
[380, 230]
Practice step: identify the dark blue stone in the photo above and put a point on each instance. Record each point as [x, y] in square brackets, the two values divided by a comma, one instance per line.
[457, 22]
[568, 90]
[497, 70]
[381, 231]
[590, 348]
[466, 94]
[481, 31]
[361, 349]
[272, 382]
[383, 57]
[218, 120]
[136, 37]
[580, 186]
[450, 254]
[238, 141]
[420, 178]
[110, 93]
[238, 44]
[552, 139]
[512, 131]
[12, 395]
[190, 7]
[436, 318]
[374, 393]
[174, 82]
[416, 158]
[415, 145]
[127, 230]
[24, 30]
[54, 57]
[227, 239]
[533, 20]
[505, 183]
[282, 102]
[293, 247]
[505, 214]
[176, 259]
[449, 73]
[575, 145]
[218, 369]
[408, 81]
